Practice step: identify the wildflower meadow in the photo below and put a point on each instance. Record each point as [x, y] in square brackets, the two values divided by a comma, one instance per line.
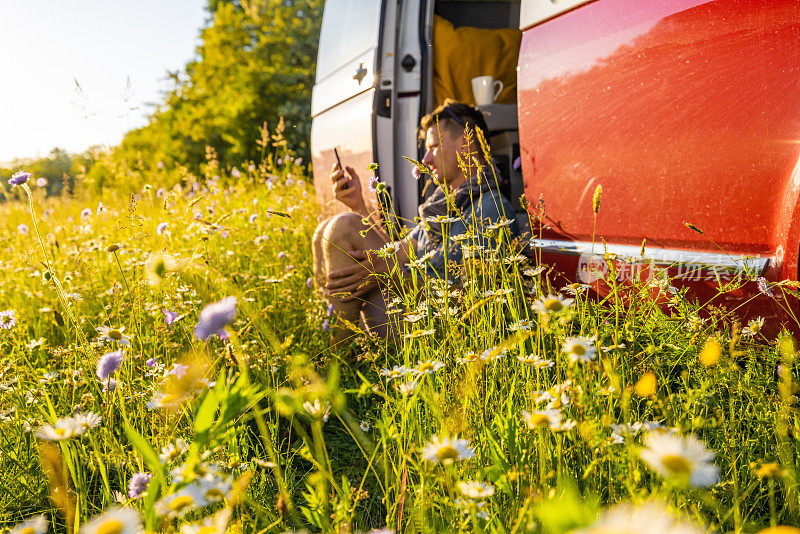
[166, 367]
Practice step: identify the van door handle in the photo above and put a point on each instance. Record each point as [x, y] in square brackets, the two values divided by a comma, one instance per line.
[360, 74]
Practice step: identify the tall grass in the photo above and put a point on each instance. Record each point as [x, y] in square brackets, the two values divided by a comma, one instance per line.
[510, 405]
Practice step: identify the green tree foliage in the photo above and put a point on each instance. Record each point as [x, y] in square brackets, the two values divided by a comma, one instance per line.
[59, 168]
[255, 64]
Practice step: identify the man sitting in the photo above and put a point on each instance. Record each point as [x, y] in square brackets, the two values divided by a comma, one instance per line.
[463, 205]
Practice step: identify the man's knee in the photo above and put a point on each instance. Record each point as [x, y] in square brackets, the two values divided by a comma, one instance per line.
[343, 227]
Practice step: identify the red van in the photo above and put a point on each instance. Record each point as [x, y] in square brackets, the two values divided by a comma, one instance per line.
[685, 111]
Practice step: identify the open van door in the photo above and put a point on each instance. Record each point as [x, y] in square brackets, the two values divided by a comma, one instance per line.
[353, 98]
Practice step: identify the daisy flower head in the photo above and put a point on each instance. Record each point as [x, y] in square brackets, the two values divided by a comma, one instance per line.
[18, 178]
[650, 518]
[8, 319]
[34, 525]
[138, 483]
[215, 317]
[686, 458]
[87, 420]
[447, 450]
[215, 524]
[173, 451]
[408, 388]
[161, 228]
[115, 335]
[86, 213]
[23, 229]
[182, 501]
[395, 372]
[548, 418]
[109, 363]
[579, 349]
[476, 490]
[552, 304]
[753, 327]
[41, 181]
[427, 367]
[64, 428]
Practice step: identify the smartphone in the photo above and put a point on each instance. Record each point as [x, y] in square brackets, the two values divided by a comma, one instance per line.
[339, 161]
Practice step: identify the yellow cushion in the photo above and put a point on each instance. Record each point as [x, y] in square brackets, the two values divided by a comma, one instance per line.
[460, 54]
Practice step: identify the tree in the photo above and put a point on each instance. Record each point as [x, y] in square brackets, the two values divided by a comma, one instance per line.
[255, 65]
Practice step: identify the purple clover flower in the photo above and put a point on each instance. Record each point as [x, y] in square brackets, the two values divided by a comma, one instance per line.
[109, 363]
[151, 362]
[138, 484]
[215, 317]
[169, 317]
[18, 178]
[329, 311]
[109, 385]
[326, 325]
[309, 282]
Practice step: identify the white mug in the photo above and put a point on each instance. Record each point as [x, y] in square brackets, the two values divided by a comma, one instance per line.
[486, 90]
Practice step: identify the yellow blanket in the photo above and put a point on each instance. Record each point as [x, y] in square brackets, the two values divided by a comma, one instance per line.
[460, 54]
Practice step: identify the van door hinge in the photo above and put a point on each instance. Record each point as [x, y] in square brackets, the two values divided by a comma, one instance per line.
[384, 104]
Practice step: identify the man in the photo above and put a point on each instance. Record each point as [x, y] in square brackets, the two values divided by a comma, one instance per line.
[465, 202]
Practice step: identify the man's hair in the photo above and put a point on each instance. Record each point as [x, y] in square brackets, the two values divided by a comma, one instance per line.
[454, 116]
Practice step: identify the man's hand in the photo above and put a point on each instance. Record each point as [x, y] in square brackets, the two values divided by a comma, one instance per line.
[354, 281]
[347, 189]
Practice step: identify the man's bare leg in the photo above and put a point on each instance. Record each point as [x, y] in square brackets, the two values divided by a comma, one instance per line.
[318, 254]
[341, 235]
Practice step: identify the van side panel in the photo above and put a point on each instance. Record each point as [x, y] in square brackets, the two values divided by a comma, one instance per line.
[683, 110]
[348, 127]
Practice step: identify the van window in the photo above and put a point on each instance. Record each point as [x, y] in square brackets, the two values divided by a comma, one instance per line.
[349, 28]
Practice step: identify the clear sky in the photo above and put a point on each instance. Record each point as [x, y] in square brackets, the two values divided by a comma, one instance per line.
[119, 52]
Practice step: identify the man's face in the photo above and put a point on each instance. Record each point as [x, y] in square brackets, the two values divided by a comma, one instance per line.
[441, 155]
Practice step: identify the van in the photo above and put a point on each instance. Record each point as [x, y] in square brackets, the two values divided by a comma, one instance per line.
[686, 112]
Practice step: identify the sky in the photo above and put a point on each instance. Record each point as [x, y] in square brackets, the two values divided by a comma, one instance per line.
[77, 73]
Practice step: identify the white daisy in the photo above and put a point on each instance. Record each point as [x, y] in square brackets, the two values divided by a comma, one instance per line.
[541, 418]
[447, 450]
[215, 524]
[34, 525]
[88, 420]
[476, 490]
[649, 518]
[173, 451]
[64, 428]
[552, 304]
[115, 335]
[408, 388]
[681, 457]
[753, 327]
[182, 501]
[579, 349]
[395, 372]
[427, 367]
[115, 521]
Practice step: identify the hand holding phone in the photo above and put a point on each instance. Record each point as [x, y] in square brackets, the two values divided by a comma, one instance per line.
[339, 161]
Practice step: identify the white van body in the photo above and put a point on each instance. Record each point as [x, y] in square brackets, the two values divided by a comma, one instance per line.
[374, 84]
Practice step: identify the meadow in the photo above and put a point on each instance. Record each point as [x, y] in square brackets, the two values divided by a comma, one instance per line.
[166, 368]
